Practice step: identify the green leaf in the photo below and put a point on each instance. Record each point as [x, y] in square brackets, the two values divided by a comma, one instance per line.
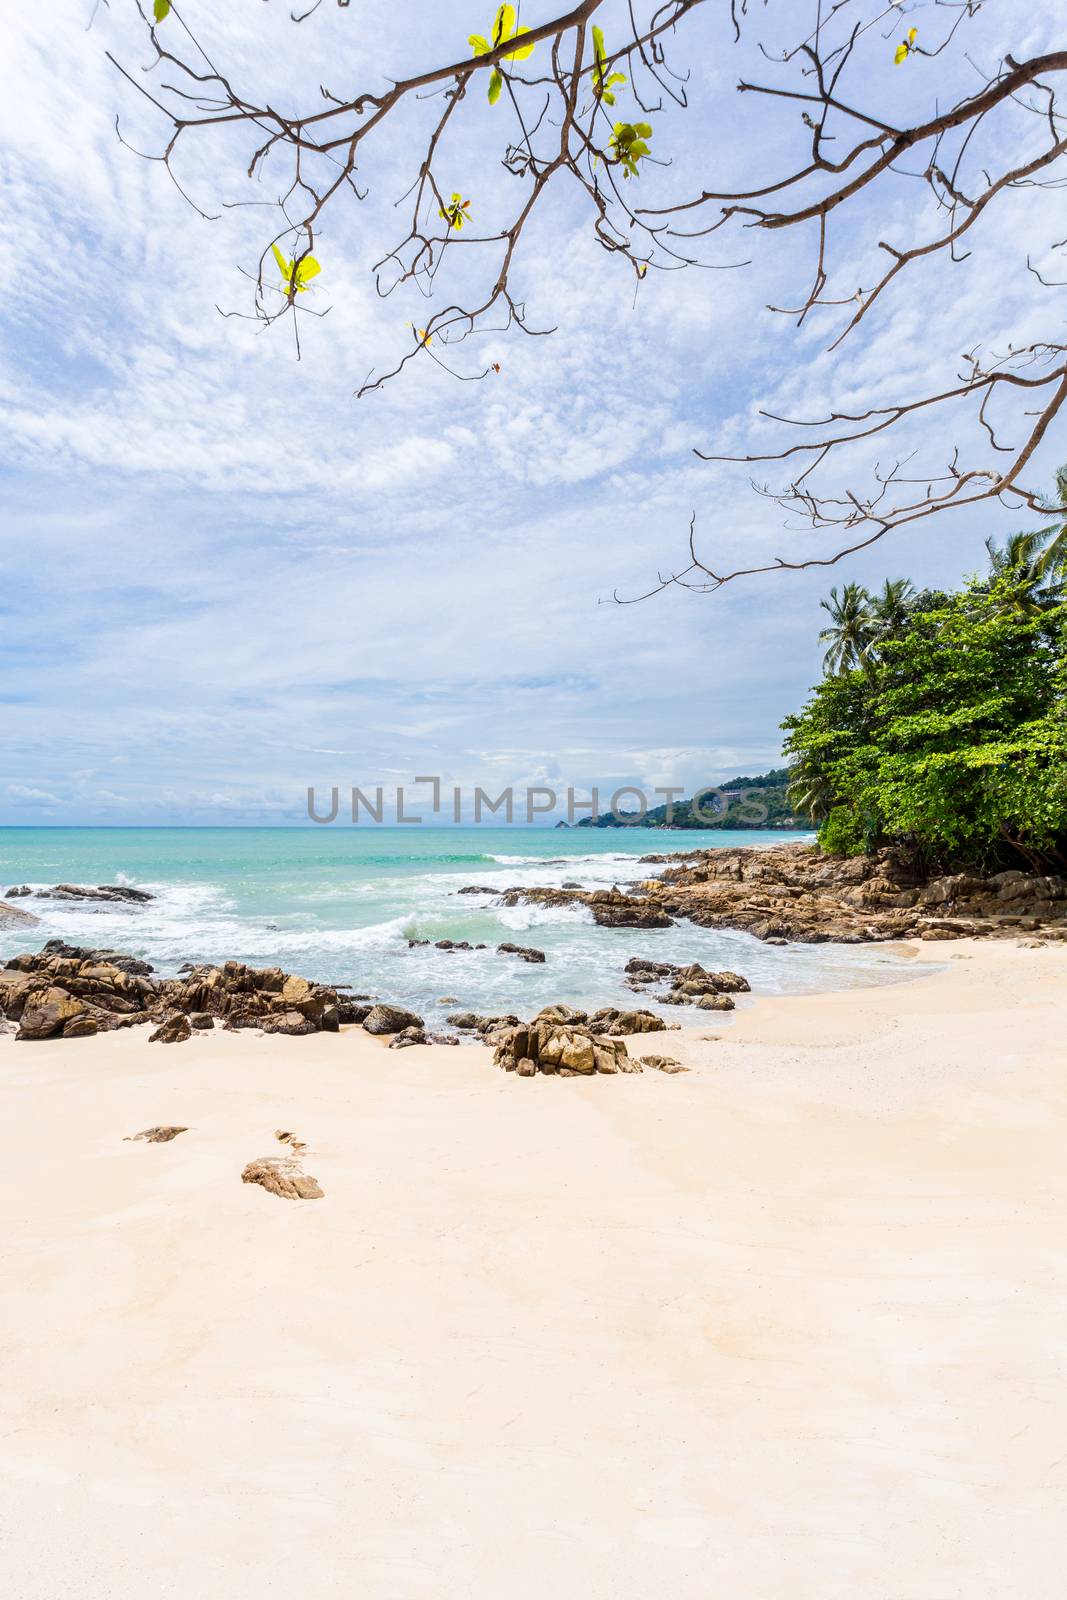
[642, 130]
[496, 83]
[479, 45]
[504, 26]
[598, 45]
[161, 10]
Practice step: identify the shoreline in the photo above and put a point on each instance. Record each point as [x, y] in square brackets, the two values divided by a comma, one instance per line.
[785, 1323]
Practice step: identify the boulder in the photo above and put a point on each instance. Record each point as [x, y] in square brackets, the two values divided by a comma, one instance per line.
[46, 1012]
[293, 1022]
[81, 1027]
[390, 1019]
[15, 990]
[523, 951]
[406, 1037]
[174, 1030]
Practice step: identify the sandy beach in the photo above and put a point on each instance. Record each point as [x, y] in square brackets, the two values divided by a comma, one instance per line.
[789, 1324]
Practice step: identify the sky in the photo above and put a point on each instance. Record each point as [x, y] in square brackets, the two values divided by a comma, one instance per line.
[224, 578]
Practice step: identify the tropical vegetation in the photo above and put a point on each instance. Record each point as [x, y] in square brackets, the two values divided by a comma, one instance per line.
[941, 721]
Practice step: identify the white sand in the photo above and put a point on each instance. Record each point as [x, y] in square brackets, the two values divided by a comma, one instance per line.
[790, 1326]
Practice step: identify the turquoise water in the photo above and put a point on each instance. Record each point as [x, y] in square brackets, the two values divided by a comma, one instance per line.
[340, 904]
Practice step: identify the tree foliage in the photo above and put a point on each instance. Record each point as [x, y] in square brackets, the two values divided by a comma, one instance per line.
[952, 737]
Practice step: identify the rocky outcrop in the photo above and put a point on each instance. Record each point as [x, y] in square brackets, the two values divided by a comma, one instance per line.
[792, 892]
[525, 952]
[691, 985]
[566, 1049]
[611, 908]
[67, 990]
[609, 1020]
[161, 1135]
[281, 1175]
[105, 893]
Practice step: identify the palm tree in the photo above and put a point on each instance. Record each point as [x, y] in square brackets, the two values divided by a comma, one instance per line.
[891, 608]
[851, 635]
[1034, 565]
[808, 790]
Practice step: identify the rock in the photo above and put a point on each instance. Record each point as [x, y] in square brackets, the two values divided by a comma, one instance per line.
[120, 990]
[795, 894]
[162, 1135]
[108, 892]
[290, 1022]
[390, 1019]
[663, 1064]
[133, 966]
[282, 1176]
[14, 894]
[561, 1013]
[174, 1030]
[406, 1037]
[614, 1022]
[80, 1027]
[46, 1012]
[350, 1011]
[12, 916]
[568, 1049]
[201, 1021]
[649, 969]
[625, 913]
[15, 990]
[524, 952]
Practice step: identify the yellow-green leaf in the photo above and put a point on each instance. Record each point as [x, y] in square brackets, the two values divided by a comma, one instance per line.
[523, 51]
[479, 45]
[504, 26]
[308, 268]
[285, 266]
[496, 83]
[161, 10]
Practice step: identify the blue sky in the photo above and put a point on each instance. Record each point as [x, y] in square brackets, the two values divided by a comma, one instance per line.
[224, 578]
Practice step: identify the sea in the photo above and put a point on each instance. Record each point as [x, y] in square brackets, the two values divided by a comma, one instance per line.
[341, 905]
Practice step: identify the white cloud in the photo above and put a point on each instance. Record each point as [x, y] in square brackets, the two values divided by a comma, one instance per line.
[249, 581]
